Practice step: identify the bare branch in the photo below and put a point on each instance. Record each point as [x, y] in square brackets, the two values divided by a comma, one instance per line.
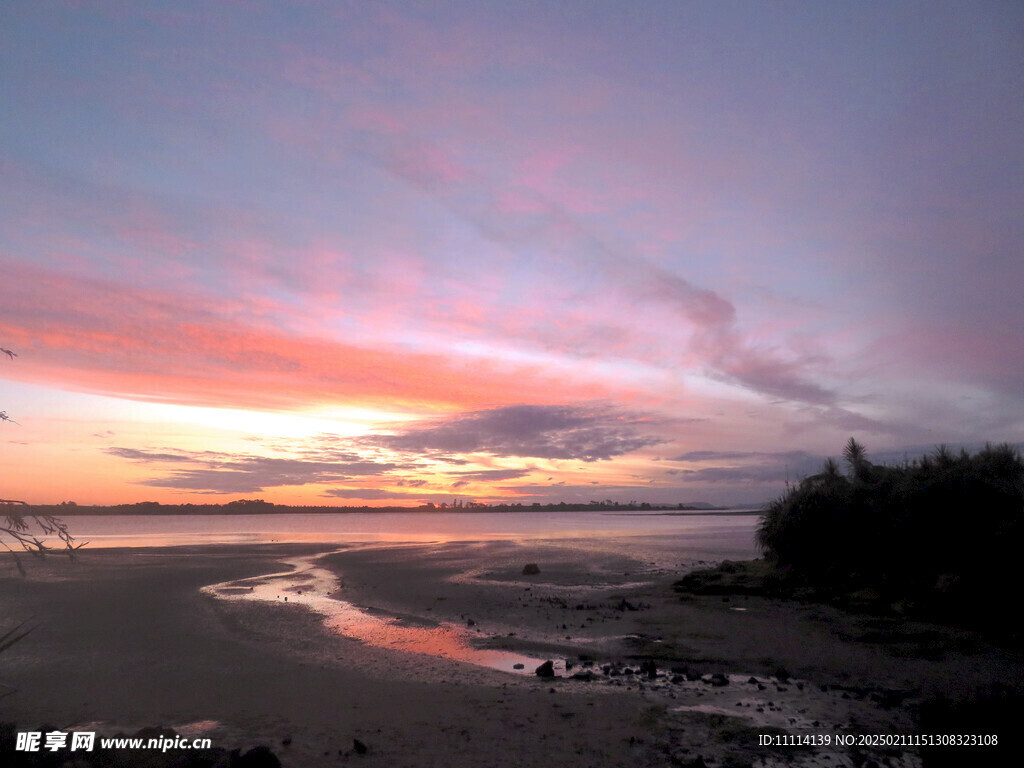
[16, 532]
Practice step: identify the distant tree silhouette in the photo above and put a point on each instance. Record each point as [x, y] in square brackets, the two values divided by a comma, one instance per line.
[856, 457]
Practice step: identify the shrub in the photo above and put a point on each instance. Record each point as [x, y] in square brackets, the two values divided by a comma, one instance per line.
[942, 530]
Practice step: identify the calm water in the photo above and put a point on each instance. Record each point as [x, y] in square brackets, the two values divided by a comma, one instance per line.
[710, 536]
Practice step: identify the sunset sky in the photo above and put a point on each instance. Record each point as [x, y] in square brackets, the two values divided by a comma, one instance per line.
[387, 253]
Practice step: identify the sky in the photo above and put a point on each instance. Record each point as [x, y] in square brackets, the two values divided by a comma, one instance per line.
[395, 253]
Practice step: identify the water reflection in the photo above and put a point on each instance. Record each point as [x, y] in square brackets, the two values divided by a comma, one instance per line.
[319, 589]
[717, 536]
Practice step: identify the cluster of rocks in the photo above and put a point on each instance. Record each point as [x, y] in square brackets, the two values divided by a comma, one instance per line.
[647, 670]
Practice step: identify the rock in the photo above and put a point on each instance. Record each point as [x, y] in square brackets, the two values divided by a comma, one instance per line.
[718, 680]
[359, 747]
[470, 623]
[782, 675]
[518, 666]
[586, 677]
[650, 669]
[224, 759]
[258, 757]
[530, 569]
[547, 669]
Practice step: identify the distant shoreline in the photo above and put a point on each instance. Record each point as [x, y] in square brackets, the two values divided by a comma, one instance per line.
[265, 508]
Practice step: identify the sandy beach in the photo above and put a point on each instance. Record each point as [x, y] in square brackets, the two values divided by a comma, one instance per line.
[130, 638]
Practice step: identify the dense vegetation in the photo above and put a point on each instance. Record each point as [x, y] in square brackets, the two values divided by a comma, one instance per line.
[939, 535]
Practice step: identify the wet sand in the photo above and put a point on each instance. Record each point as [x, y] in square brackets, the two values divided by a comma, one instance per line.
[128, 639]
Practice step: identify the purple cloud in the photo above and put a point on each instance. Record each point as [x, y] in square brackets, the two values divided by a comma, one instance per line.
[247, 473]
[536, 431]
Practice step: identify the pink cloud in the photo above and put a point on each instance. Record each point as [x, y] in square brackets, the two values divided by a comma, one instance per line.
[108, 338]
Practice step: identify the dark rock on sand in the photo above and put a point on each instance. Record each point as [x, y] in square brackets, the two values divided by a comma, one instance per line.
[547, 669]
[530, 569]
[258, 757]
[227, 759]
[649, 668]
[751, 577]
[718, 680]
[359, 747]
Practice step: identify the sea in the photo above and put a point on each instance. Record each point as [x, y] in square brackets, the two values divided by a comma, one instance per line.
[693, 535]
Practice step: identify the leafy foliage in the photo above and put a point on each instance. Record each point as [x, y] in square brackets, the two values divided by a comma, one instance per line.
[941, 533]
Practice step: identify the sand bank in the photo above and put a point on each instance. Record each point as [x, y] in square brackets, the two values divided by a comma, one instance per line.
[129, 639]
